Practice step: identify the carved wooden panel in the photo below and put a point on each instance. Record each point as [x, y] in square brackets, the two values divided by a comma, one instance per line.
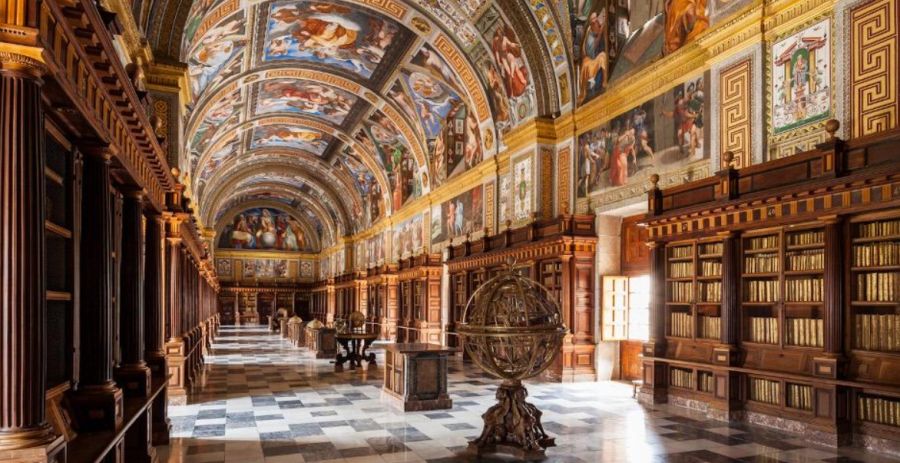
[736, 128]
[874, 79]
[629, 360]
[635, 253]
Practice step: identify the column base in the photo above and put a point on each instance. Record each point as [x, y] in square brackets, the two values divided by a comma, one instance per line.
[97, 408]
[156, 361]
[134, 379]
[162, 426]
[177, 368]
[39, 446]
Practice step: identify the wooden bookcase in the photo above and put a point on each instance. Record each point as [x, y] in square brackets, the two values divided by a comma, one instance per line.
[781, 283]
[62, 185]
[694, 290]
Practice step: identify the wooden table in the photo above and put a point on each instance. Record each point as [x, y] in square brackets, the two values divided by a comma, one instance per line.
[355, 344]
[415, 374]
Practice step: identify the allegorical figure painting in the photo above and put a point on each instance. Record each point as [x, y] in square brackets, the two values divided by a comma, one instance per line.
[801, 77]
[284, 136]
[381, 136]
[613, 38]
[457, 217]
[327, 33]
[524, 187]
[218, 46]
[263, 228]
[304, 97]
[659, 135]
[366, 185]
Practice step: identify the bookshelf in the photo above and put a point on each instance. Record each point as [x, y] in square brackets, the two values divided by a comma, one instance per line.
[61, 187]
[783, 286]
[694, 290]
[810, 300]
[875, 284]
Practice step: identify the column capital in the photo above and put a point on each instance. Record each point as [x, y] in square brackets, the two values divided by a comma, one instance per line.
[22, 59]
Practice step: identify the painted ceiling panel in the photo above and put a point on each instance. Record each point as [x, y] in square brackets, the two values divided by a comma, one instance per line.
[386, 99]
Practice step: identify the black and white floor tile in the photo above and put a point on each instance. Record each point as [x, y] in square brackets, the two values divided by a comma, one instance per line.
[266, 401]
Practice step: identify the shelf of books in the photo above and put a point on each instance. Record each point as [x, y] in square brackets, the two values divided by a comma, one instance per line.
[692, 379]
[694, 289]
[875, 285]
[783, 287]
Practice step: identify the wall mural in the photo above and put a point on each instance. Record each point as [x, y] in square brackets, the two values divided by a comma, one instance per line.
[327, 34]
[614, 37]
[408, 237]
[375, 250]
[458, 216]
[365, 183]
[301, 97]
[801, 77]
[523, 184]
[381, 136]
[265, 268]
[263, 228]
[659, 135]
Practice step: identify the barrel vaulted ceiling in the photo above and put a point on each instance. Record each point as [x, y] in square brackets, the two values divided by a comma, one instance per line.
[340, 113]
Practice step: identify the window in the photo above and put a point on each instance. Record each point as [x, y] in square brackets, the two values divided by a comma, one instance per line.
[625, 311]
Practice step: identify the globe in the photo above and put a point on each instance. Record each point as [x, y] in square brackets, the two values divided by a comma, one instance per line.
[267, 240]
[512, 328]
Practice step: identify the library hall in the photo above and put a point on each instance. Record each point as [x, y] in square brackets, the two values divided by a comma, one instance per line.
[439, 231]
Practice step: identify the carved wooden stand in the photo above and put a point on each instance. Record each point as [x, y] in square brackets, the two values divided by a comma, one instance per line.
[513, 426]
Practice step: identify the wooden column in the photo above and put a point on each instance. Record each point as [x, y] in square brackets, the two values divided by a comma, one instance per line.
[175, 347]
[97, 403]
[25, 434]
[832, 362]
[154, 290]
[730, 335]
[155, 323]
[655, 378]
[727, 385]
[133, 375]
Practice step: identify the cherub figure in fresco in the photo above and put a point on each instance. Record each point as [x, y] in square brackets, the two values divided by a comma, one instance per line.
[508, 55]
[594, 70]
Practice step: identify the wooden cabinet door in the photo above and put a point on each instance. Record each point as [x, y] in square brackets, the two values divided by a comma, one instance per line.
[630, 360]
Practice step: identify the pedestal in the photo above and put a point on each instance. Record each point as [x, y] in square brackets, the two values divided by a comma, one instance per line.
[512, 426]
[415, 376]
[175, 359]
[322, 342]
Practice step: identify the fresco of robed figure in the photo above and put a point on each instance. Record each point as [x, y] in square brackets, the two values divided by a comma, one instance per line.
[263, 228]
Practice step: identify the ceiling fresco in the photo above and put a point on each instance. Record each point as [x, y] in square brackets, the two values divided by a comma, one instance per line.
[370, 103]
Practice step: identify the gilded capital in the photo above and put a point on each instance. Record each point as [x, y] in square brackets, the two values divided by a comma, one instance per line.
[22, 59]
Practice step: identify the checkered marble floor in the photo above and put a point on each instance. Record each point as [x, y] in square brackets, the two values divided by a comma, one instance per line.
[266, 401]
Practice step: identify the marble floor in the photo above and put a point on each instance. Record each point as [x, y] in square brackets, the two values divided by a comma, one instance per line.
[266, 401]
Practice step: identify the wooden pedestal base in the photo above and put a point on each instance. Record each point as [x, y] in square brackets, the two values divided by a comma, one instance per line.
[134, 380]
[47, 449]
[512, 426]
[97, 408]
